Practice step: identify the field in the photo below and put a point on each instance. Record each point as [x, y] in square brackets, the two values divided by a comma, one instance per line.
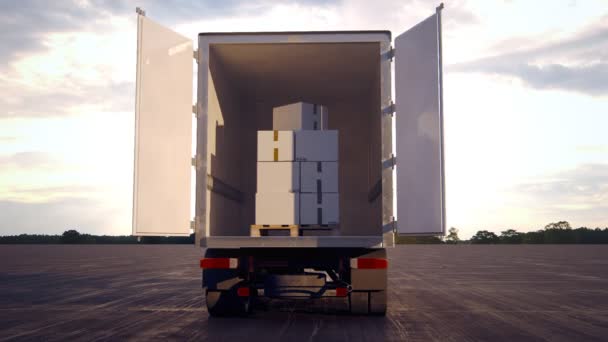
[437, 292]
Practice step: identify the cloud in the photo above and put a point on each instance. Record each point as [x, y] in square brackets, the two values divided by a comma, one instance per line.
[179, 11]
[588, 182]
[65, 57]
[592, 148]
[56, 191]
[60, 57]
[580, 194]
[577, 63]
[27, 160]
[457, 14]
[402, 15]
[54, 217]
[44, 194]
[107, 96]
[586, 79]
[25, 23]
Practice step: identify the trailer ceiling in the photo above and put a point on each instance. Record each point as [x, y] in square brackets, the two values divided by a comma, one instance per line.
[351, 68]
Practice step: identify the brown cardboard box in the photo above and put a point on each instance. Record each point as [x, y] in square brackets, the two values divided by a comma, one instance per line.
[278, 177]
[299, 116]
[319, 177]
[325, 212]
[275, 146]
[316, 145]
[277, 208]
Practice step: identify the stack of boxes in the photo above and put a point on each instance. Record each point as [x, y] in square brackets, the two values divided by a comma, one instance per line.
[297, 169]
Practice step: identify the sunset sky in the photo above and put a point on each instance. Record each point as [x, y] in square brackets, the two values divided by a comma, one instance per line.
[525, 91]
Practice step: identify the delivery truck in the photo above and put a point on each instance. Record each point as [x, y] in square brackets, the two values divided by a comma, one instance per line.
[196, 155]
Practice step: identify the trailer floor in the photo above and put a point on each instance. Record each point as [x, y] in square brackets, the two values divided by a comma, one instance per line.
[443, 293]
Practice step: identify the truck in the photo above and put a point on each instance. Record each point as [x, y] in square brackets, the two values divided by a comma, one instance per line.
[240, 78]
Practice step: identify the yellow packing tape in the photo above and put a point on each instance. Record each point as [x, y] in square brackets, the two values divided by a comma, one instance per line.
[276, 150]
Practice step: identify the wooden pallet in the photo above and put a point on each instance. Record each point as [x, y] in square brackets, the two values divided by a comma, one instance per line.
[318, 226]
[294, 229]
[262, 229]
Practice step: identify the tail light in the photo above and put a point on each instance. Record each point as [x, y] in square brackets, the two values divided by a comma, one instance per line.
[219, 263]
[341, 292]
[369, 263]
[242, 292]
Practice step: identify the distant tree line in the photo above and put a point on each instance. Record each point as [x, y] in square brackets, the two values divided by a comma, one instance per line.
[74, 237]
[554, 233]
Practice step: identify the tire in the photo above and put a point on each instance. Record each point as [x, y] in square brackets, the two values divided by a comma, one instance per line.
[359, 303]
[368, 303]
[226, 303]
[377, 303]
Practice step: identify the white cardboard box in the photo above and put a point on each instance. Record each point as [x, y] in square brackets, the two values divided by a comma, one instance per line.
[275, 145]
[313, 212]
[323, 175]
[278, 177]
[277, 208]
[299, 116]
[316, 145]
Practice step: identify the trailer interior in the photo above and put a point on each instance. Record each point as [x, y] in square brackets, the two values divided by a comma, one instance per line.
[245, 82]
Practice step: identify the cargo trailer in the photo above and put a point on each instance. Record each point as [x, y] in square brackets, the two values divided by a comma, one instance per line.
[240, 78]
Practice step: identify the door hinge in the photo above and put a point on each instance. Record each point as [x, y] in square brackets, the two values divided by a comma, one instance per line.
[197, 162]
[390, 226]
[390, 162]
[193, 225]
[195, 110]
[389, 54]
[199, 225]
[195, 55]
[390, 109]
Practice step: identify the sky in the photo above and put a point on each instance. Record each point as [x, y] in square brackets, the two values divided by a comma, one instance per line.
[525, 104]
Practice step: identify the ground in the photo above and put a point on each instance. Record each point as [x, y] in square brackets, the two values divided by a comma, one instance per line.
[443, 293]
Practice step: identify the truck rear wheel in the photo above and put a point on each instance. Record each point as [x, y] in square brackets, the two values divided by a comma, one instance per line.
[368, 303]
[227, 303]
[377, 303]
[369, 281]
[359, 303]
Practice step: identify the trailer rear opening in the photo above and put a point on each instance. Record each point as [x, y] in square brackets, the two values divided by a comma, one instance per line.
[246, 81]
[241, 77]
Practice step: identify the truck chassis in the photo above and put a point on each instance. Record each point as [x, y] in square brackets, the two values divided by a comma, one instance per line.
[233, 279]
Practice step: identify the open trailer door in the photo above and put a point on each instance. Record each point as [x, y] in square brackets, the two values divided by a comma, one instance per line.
[163, 131]
[419, 129]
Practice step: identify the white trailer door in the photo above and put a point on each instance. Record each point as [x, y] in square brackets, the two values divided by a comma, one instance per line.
[163, 131]
[419, 129]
